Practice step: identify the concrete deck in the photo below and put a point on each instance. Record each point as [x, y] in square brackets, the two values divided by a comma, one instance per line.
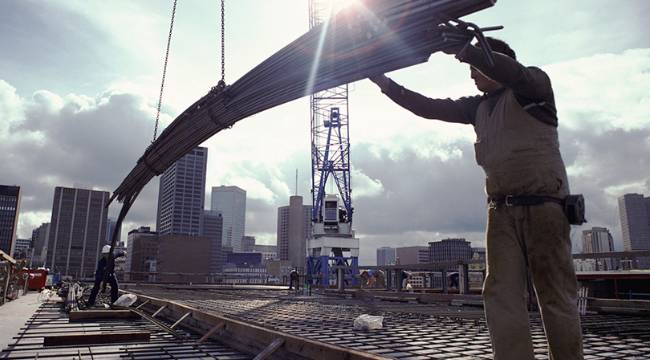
[14, 315]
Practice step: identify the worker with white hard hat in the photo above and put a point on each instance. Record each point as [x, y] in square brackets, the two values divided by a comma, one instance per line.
[105, 271]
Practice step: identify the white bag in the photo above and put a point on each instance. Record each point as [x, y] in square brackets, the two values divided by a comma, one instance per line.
[126, 300]
[368, 322]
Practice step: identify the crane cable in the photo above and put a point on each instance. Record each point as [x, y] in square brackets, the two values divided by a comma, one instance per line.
[162, 84]
[222, 82]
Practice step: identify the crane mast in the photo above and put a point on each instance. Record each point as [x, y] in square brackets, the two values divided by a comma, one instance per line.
[332, 250]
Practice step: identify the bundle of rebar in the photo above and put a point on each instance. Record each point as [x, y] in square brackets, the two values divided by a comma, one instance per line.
[364, 40]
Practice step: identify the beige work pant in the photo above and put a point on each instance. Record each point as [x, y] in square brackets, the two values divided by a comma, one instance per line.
[537, 237]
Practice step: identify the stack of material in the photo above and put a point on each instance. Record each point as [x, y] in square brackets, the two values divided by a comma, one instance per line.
[366, 39]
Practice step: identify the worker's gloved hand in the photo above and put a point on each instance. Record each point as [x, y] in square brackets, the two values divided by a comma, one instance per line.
[454, 39]
[381, 80]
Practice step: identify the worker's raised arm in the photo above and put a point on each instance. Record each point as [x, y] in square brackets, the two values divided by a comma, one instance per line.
[460, 111]
[529, 82]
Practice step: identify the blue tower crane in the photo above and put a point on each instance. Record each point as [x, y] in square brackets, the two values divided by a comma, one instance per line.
[332, 245]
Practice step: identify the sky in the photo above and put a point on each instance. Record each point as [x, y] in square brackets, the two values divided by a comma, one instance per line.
[79, 83]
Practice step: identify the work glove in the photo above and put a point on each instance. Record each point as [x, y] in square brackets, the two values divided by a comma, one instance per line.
[454, 39]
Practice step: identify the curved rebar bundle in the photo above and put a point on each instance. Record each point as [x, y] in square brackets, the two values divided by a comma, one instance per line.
[367, 39]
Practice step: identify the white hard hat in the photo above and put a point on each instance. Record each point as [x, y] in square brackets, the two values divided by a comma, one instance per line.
[106, 249]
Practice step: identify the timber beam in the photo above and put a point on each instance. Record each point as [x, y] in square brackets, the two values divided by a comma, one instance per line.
[250, 338]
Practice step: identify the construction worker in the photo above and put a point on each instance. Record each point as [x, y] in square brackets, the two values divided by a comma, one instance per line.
[517, 146]
[105, 270]
[369, 278]
[293, 277]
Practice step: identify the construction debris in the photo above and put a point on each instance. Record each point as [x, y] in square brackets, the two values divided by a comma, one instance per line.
[367, 322]
[126, 300]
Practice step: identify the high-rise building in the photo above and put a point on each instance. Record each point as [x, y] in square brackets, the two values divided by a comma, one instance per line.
[450, 250]
[385, 256]
[231, 202]
[39, 243]
[634, 211]
[77, 231]
[141, 254]
[599, 240]
[412, 255]
[247, 243]
[183, 258]
[22, 248]
[9, 209]
[212, 228]
[181, 195]
[269, 252]
[293, 230]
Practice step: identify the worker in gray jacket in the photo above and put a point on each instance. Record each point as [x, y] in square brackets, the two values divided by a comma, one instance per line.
[517, 146]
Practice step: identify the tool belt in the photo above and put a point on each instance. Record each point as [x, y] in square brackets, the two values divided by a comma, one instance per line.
[573, 205]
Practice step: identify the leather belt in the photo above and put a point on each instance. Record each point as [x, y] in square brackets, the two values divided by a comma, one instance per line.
[521, 200]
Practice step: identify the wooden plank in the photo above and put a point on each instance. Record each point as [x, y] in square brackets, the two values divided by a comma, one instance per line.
[96, 338]
[158, 311]
[84, 315]
[214, 329]
[181, 319]
[274, 345]
[143, 304]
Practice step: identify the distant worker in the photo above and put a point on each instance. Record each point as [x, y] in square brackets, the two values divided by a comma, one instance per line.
[380, 278]
[517, 146]
[105, 270]
[369, 278]
[293, 278]
[454, 281]
[406, 282]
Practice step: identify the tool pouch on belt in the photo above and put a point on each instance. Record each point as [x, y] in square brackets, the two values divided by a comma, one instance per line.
[574, 209]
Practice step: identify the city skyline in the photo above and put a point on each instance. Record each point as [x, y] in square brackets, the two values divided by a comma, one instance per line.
[433, 188]
[578, 244]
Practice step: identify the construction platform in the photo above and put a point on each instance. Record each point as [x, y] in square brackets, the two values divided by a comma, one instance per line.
[273, 322]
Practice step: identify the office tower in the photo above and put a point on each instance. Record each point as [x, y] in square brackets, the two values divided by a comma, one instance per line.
[247, 243]
[412, 255]
[212, 228]
[181, 194]
[39, 243]
[269, 252]
[293, 230]
[9, 209]
[22, 248]
[385, 256]
[450, 250]
[599, 240]
[141, 254]
[183, 258]
[77, 231]
[231, 202]
[634, 211]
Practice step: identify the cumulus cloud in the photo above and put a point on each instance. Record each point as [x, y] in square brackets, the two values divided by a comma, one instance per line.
[414, 180]
[604, 91]
[51, 140]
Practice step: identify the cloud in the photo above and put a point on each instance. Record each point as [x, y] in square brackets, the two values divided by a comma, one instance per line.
[51, 140]
[604, 91]
[414, 180]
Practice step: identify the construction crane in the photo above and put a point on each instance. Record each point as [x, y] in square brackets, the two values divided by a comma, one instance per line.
[332, 250]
